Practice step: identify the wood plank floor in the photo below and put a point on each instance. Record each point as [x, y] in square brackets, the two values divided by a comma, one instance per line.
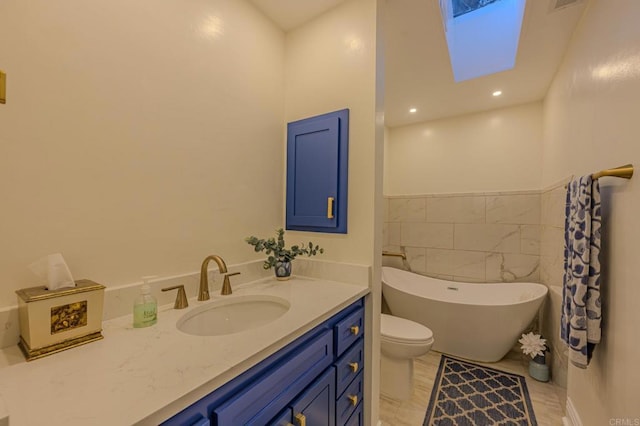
[547, 398]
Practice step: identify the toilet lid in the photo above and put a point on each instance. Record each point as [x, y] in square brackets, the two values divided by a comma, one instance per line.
[400, 329]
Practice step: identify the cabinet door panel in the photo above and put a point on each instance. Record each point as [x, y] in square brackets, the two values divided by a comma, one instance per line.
[317, 164]
[317, 403]
[315, 174]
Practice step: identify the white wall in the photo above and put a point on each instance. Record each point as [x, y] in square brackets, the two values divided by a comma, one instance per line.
[499, 150]
[591, 123]
[138, 137]
[331, 63]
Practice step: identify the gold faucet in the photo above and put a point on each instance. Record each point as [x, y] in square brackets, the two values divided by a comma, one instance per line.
[203, 291]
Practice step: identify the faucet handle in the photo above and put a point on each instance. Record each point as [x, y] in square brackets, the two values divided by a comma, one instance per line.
[181, 297]
[226, 284]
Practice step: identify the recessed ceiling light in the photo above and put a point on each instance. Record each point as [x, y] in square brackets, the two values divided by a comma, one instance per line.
[497, 93]
[413, 110]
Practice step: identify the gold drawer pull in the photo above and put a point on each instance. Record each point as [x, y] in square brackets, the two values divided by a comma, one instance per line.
[355, 329]
[354, 366]
[330, 201]
[353, 399]
[301, 419]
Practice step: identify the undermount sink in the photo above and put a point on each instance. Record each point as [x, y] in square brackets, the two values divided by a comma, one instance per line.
[233, 315]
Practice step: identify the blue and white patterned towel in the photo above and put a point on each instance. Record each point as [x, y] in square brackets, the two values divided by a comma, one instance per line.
[581, 310]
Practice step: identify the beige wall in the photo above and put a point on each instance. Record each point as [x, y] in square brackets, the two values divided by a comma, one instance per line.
[330, 65]
[498, 150]
[138, 137]
[591, 122]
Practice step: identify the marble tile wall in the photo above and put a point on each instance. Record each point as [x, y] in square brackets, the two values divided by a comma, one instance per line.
[485, 237]
[551, 271]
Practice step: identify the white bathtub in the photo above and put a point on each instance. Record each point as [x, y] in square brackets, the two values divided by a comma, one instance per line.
[480, 322]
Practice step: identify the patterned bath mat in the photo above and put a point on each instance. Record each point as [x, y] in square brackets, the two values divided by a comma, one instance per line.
[468, 394]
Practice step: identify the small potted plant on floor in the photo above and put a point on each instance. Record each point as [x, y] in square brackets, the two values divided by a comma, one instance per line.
[535, 346]
[280, 257]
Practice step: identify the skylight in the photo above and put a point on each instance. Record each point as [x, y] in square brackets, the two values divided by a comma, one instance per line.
[482, 35]
[460, 7]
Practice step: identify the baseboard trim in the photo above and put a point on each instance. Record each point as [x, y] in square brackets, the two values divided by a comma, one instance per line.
[572, 419]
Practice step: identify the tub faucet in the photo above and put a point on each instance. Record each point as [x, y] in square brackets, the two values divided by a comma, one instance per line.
[203, 291]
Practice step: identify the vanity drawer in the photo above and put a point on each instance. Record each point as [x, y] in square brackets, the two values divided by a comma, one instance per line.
[348, 331]
[347, 403]
[261, 401]
[349, 365]
[357, 418]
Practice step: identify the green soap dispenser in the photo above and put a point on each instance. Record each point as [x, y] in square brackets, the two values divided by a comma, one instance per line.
[145, 308]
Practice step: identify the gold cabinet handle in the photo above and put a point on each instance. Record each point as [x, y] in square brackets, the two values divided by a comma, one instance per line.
[353, 399]
[301, 420]
[355, 329]
[330, 201]
[354, 366]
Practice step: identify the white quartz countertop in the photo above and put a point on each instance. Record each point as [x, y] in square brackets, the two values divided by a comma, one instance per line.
[144, 376]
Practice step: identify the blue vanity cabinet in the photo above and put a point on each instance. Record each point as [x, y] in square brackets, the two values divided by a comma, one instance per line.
[285, 418]
[348, 330]
[296, 385]
[316, 405]
[317, 171]
[357, 418]
[259, 403]
[349, 347]
[348, 366]
[201, 422]
[347, 403]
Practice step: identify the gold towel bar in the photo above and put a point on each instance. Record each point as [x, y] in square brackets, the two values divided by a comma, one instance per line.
[625, 172]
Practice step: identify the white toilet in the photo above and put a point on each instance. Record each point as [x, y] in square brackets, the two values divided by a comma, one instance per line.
[401, 341]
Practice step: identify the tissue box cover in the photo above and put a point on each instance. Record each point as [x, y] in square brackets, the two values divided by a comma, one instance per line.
[54, 320]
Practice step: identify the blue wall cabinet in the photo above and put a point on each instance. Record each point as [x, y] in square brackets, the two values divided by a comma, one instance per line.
[317, 169]
[314, 381]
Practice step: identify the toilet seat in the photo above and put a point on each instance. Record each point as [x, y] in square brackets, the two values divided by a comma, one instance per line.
[400, 330]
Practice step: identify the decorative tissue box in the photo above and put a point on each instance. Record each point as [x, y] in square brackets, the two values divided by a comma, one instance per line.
[54, 320]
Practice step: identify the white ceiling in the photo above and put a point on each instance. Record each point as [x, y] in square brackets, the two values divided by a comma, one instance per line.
[417, 68]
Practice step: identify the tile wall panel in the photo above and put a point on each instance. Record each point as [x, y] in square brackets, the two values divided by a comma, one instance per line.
[468, 237]
[428, 235]
[551, 271]
[456, 209]
[514, 209]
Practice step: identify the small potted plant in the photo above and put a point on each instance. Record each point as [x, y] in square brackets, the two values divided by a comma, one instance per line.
[535, 346]
[280, 257]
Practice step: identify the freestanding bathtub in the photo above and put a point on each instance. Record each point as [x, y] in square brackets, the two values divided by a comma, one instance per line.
[479, 322]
